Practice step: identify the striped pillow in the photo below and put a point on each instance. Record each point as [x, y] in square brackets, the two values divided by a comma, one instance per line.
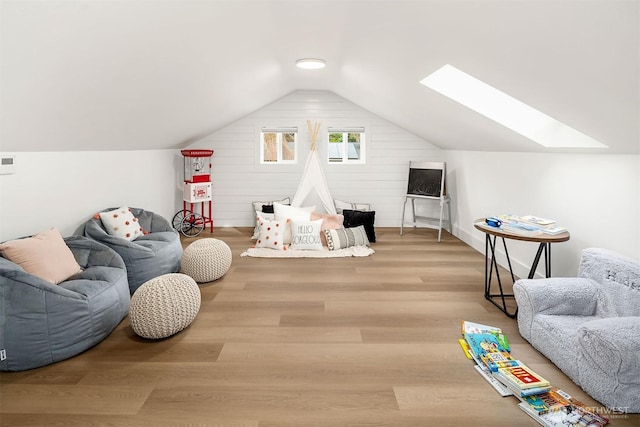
[346, 237]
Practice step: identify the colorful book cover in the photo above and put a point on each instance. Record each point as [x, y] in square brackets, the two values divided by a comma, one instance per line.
[569, 417]
[486, 342]
[522, 376]
[465, 348]
[478, 328]
[585, 416]
[497, 360]
[550, 401]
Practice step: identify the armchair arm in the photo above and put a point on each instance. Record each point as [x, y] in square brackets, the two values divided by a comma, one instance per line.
[553, 296]
[12, 276]
[152, 222]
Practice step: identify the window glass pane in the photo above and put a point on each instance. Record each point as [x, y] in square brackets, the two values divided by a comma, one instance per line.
[353, 150]
[270, 147]
[335, 137]
[335, 147]
[288, 146]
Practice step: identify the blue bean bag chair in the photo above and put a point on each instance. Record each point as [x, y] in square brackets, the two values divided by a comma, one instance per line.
[43, 323]
[153, 253]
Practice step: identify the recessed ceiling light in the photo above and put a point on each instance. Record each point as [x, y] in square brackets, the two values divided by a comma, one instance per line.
[508, 111]
[310, 63]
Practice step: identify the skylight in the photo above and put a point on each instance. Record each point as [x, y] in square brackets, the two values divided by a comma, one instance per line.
[506, 110]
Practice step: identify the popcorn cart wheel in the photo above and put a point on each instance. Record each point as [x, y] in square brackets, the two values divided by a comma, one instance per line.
[189, 224]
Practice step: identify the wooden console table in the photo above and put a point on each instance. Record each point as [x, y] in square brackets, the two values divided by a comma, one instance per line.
[491, 234]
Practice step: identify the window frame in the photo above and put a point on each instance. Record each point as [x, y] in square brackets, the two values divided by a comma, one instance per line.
[279, 131]
[345, 160]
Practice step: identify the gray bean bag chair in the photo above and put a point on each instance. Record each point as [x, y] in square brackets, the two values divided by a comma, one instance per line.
[157, 252]
[589, 326]
[42, 323]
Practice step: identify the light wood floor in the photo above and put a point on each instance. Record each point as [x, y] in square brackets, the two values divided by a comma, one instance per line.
[299, 342]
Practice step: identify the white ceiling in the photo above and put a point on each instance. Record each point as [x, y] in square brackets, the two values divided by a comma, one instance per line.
[142, 74]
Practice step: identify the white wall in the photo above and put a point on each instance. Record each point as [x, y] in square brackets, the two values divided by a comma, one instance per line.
[595, 196]
[64, 189]
[239, 178]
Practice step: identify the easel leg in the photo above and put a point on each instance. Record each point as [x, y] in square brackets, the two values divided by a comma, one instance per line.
[413, 210]
[404, 206]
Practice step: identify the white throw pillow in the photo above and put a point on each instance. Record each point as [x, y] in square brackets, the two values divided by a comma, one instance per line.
[306, 235]
[340, 206]
[287, 214]
[261, 216]
[271, 235]
[257, 206]
[121, 223]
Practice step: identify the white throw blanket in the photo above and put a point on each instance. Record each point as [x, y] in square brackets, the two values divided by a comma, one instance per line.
[355, 251]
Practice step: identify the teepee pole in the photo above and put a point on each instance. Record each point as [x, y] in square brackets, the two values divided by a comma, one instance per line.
[313, 133]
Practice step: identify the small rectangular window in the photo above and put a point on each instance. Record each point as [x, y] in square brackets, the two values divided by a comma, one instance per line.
[278, 145]
[346, 145]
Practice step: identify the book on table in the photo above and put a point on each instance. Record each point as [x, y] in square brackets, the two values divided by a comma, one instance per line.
[553, 230]
[529, 225]
[536, 220]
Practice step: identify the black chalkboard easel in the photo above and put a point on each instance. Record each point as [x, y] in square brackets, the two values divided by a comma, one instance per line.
[426, 179]
[426, 182]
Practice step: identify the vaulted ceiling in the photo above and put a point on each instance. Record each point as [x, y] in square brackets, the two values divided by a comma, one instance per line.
[143, 74]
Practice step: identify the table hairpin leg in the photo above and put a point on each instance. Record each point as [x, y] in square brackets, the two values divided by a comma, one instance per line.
[546, 248]
[489, 268]
[490, 265]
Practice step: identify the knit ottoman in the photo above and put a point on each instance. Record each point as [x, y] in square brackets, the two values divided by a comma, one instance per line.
[164, 305]
[206, 260]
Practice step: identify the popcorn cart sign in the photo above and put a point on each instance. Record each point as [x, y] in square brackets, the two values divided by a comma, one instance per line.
[197, 192]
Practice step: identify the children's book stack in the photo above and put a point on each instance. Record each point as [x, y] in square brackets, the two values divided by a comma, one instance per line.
[548, 405]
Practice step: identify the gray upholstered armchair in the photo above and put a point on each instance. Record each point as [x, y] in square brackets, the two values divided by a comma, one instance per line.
[589, 326]
[42, 323]
[155, 253]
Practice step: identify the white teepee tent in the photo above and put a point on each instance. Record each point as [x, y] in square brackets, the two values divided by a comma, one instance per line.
[313, 179]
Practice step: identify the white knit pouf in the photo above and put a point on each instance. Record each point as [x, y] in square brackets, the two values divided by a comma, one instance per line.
[164, 305]
[206, 260]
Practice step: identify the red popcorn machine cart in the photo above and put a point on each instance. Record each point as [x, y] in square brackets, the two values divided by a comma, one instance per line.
[196, 189]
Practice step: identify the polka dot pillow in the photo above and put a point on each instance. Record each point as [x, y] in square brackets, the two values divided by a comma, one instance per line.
[271, 235]
[121, 223]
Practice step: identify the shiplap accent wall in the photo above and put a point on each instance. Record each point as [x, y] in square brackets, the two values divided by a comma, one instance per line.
[239, 178]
